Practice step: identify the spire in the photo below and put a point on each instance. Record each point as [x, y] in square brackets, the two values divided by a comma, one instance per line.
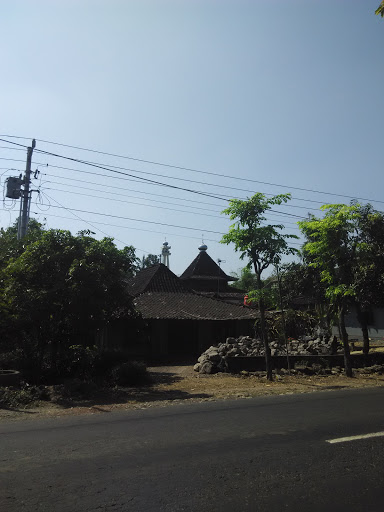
[165, 253]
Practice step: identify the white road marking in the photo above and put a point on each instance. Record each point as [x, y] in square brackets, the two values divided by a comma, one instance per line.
[354, 438]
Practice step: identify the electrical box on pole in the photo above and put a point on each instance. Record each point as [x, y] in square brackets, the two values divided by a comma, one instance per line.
[13, 187]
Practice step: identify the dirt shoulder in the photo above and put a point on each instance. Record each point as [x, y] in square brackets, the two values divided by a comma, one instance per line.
[180, 384]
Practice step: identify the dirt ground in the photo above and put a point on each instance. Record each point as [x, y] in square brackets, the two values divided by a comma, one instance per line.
[180, 384]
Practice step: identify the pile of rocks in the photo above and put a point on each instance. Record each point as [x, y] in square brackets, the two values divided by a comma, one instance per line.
[214, 359]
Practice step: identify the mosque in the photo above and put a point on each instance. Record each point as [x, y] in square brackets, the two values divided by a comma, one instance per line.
[185, 315]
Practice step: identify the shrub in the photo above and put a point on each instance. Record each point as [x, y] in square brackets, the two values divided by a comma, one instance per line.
[12, 397]
[74, 388]
[11, 360]
[297, 323]
[131, 373]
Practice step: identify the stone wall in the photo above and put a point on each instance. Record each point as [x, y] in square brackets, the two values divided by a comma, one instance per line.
[214, 359]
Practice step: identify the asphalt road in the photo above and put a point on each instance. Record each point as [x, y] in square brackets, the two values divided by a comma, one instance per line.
[263, 454]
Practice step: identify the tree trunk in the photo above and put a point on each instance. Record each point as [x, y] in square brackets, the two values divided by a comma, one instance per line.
[362, 318]
[264, 334]
[344, 337]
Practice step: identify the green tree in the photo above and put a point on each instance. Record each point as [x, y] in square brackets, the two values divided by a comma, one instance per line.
[149, 261]
[62, 288]
[334, 250]
[246, 280]
[10, 246]
[262, 245]
[301, 280]
[298, 279]
[380, 9]
[369, 271]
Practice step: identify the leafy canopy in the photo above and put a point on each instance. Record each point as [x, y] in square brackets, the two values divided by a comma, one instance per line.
[63, 287]
[262, 244]
[336, 247]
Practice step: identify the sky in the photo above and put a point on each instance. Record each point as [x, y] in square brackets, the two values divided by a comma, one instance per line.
[186, 104]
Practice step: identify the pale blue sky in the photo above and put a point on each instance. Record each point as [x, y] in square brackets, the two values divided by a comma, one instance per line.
[286, 92]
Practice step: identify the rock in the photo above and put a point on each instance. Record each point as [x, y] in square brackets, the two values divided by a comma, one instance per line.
[196, 368]
[214, 356]
[207, 367]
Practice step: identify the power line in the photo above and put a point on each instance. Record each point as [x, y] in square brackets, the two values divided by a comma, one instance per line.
[112, 168]
[131, 202]
[167, 185]
[171, 186]
[190, 169]
[223, 196]
[161, 195]
[178, 178]
[147, 205]
[140, 204]
[276, 211]
[131, 228]
[125, 195]
[138, 220]
[49, 214]
[92, 226]
[192, 181]
[92, 164]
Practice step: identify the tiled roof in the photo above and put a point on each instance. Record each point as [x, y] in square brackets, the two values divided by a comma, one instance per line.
[157, 278]
[159, 293]
[189, 306]
[203, 267]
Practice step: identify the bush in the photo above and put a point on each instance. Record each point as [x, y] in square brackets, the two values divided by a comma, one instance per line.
[12, 397]
[131, 373]
[297, 323]
[106, 361]
[11, 360]
[74, 388]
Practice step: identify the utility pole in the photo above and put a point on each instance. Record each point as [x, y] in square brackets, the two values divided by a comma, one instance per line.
[25, 203]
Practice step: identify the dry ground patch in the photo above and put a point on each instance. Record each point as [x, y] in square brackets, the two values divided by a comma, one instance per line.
[179, 384]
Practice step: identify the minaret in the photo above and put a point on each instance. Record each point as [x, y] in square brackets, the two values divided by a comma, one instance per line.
[165, 253]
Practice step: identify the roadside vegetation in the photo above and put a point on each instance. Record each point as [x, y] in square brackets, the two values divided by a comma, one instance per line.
[58, 291]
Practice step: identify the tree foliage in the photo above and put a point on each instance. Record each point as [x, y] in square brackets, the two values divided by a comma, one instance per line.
[298, 279]
[149, 261]
[56, 289]
[246, 280]
[346, 246]
[262, 245]
[380, 10]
